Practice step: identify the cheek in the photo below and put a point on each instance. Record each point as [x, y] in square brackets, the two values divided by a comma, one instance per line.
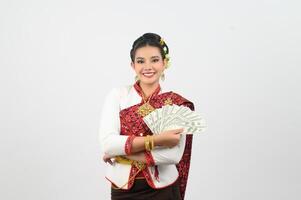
[159, 66]
[138, 67]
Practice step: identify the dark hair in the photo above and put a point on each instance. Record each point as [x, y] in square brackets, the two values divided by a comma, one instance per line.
[151, 39]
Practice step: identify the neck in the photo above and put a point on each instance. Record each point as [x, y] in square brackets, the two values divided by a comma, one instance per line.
[148, 89]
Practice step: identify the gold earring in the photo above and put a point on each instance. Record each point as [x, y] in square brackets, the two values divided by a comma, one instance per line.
[162, 76]
[136, 78]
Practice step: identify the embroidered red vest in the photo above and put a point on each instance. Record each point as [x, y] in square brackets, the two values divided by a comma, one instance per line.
[131, 123]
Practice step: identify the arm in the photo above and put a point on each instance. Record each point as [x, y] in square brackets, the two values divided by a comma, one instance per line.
[168, 139]
[161, 156]
[111, 142]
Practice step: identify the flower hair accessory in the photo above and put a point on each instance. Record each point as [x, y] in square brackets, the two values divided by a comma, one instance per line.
[162, 41]
[168, 60]
[167, 57]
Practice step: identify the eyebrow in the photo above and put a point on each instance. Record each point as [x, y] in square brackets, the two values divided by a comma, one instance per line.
[143, 58]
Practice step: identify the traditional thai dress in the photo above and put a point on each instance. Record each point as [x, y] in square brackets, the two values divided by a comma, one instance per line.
[121, 121]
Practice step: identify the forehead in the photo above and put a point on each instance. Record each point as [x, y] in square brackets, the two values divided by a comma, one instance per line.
[147, 52]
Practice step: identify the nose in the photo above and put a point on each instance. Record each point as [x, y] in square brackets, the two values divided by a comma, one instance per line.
[148, 66]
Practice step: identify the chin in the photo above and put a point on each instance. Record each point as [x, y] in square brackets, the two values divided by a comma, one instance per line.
[149, 81]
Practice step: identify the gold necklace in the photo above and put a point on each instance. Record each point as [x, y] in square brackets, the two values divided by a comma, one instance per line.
[145, 108]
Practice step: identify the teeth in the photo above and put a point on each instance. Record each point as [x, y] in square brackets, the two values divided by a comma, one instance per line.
[148, 74]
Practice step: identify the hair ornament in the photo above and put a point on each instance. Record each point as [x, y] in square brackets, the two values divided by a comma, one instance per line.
[167, 57]
[162, 41]
[165, 49]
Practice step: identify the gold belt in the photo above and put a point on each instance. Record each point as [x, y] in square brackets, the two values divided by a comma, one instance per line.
[122, 160]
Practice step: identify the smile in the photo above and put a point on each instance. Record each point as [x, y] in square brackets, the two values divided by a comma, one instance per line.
[149, 74]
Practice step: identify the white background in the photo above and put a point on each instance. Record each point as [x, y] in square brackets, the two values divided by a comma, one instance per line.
[236, 60]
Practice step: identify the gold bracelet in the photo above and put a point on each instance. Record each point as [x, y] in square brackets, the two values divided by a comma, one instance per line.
[147, 143]
[152, 142]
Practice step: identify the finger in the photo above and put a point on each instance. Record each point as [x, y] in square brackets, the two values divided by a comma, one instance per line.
[110, 162]
[106, 158]
[175, 130]
[179, 130]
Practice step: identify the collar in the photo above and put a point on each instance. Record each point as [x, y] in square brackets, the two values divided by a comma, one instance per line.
[140, 91]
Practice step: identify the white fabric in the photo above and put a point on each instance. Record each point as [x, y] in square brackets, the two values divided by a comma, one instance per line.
[112, 143]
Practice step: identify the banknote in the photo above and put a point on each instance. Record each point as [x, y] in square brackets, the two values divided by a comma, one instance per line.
[173, 116]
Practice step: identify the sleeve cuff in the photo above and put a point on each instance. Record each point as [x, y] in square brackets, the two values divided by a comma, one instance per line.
[128, 144]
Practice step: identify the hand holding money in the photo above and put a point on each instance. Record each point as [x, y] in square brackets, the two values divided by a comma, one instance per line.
[169, 138]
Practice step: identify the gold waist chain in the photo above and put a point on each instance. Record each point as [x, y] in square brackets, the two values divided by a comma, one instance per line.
[122, 160]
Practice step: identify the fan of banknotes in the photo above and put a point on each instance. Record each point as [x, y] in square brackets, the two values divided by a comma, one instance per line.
[172, 117]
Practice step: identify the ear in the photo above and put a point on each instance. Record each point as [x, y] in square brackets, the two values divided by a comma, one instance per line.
[165, 63]
[133, 66]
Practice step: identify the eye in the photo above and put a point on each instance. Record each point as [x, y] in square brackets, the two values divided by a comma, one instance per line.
[155, 60]
[140, 61]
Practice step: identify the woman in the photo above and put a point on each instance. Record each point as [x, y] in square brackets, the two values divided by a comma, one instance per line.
[143, 165]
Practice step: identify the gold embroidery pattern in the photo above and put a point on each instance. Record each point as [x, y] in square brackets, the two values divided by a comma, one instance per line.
[145, 109]
[168, 101]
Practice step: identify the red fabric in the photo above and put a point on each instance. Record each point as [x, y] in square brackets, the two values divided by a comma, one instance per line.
[149, 162]
[140, 91]
[149, 158]
[184, 164]
[128, 144]
[131, 123]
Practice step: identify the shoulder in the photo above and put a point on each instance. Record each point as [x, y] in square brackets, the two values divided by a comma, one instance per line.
[181, 100]
[175, 94]
[118, 91]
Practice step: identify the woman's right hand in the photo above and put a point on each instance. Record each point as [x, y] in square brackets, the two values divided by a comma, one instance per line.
[169, 138]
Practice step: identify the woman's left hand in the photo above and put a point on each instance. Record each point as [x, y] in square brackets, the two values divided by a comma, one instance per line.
[107, 158]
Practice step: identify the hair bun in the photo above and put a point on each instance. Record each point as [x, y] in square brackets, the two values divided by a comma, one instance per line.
[152, 36]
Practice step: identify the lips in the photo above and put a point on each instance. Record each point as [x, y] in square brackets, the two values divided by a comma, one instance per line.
[148, 74]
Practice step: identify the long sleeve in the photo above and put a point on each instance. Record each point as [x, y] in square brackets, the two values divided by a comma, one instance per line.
[111, 142]
[161, 156]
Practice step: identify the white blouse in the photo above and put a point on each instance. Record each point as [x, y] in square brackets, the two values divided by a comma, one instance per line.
[113, 144]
